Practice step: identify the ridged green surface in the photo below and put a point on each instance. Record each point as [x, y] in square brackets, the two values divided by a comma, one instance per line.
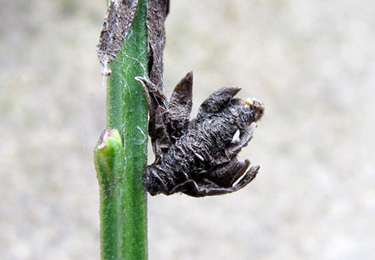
[123, 209]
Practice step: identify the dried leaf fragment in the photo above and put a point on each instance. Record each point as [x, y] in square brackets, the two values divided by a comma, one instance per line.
[117, 22]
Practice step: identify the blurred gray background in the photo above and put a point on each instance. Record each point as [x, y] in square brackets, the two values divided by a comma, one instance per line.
[311, 62]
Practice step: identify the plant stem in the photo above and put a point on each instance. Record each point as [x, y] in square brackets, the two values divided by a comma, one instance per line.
[123, 198]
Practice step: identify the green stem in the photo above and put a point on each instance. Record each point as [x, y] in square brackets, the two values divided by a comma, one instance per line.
[123, 198]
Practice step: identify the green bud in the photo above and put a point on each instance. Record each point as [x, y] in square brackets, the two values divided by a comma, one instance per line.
[109, 160]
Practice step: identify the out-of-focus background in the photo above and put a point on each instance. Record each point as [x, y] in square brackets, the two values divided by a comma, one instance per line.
[311, 62]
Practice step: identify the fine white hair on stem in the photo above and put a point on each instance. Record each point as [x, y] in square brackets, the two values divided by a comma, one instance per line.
[143, 134]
